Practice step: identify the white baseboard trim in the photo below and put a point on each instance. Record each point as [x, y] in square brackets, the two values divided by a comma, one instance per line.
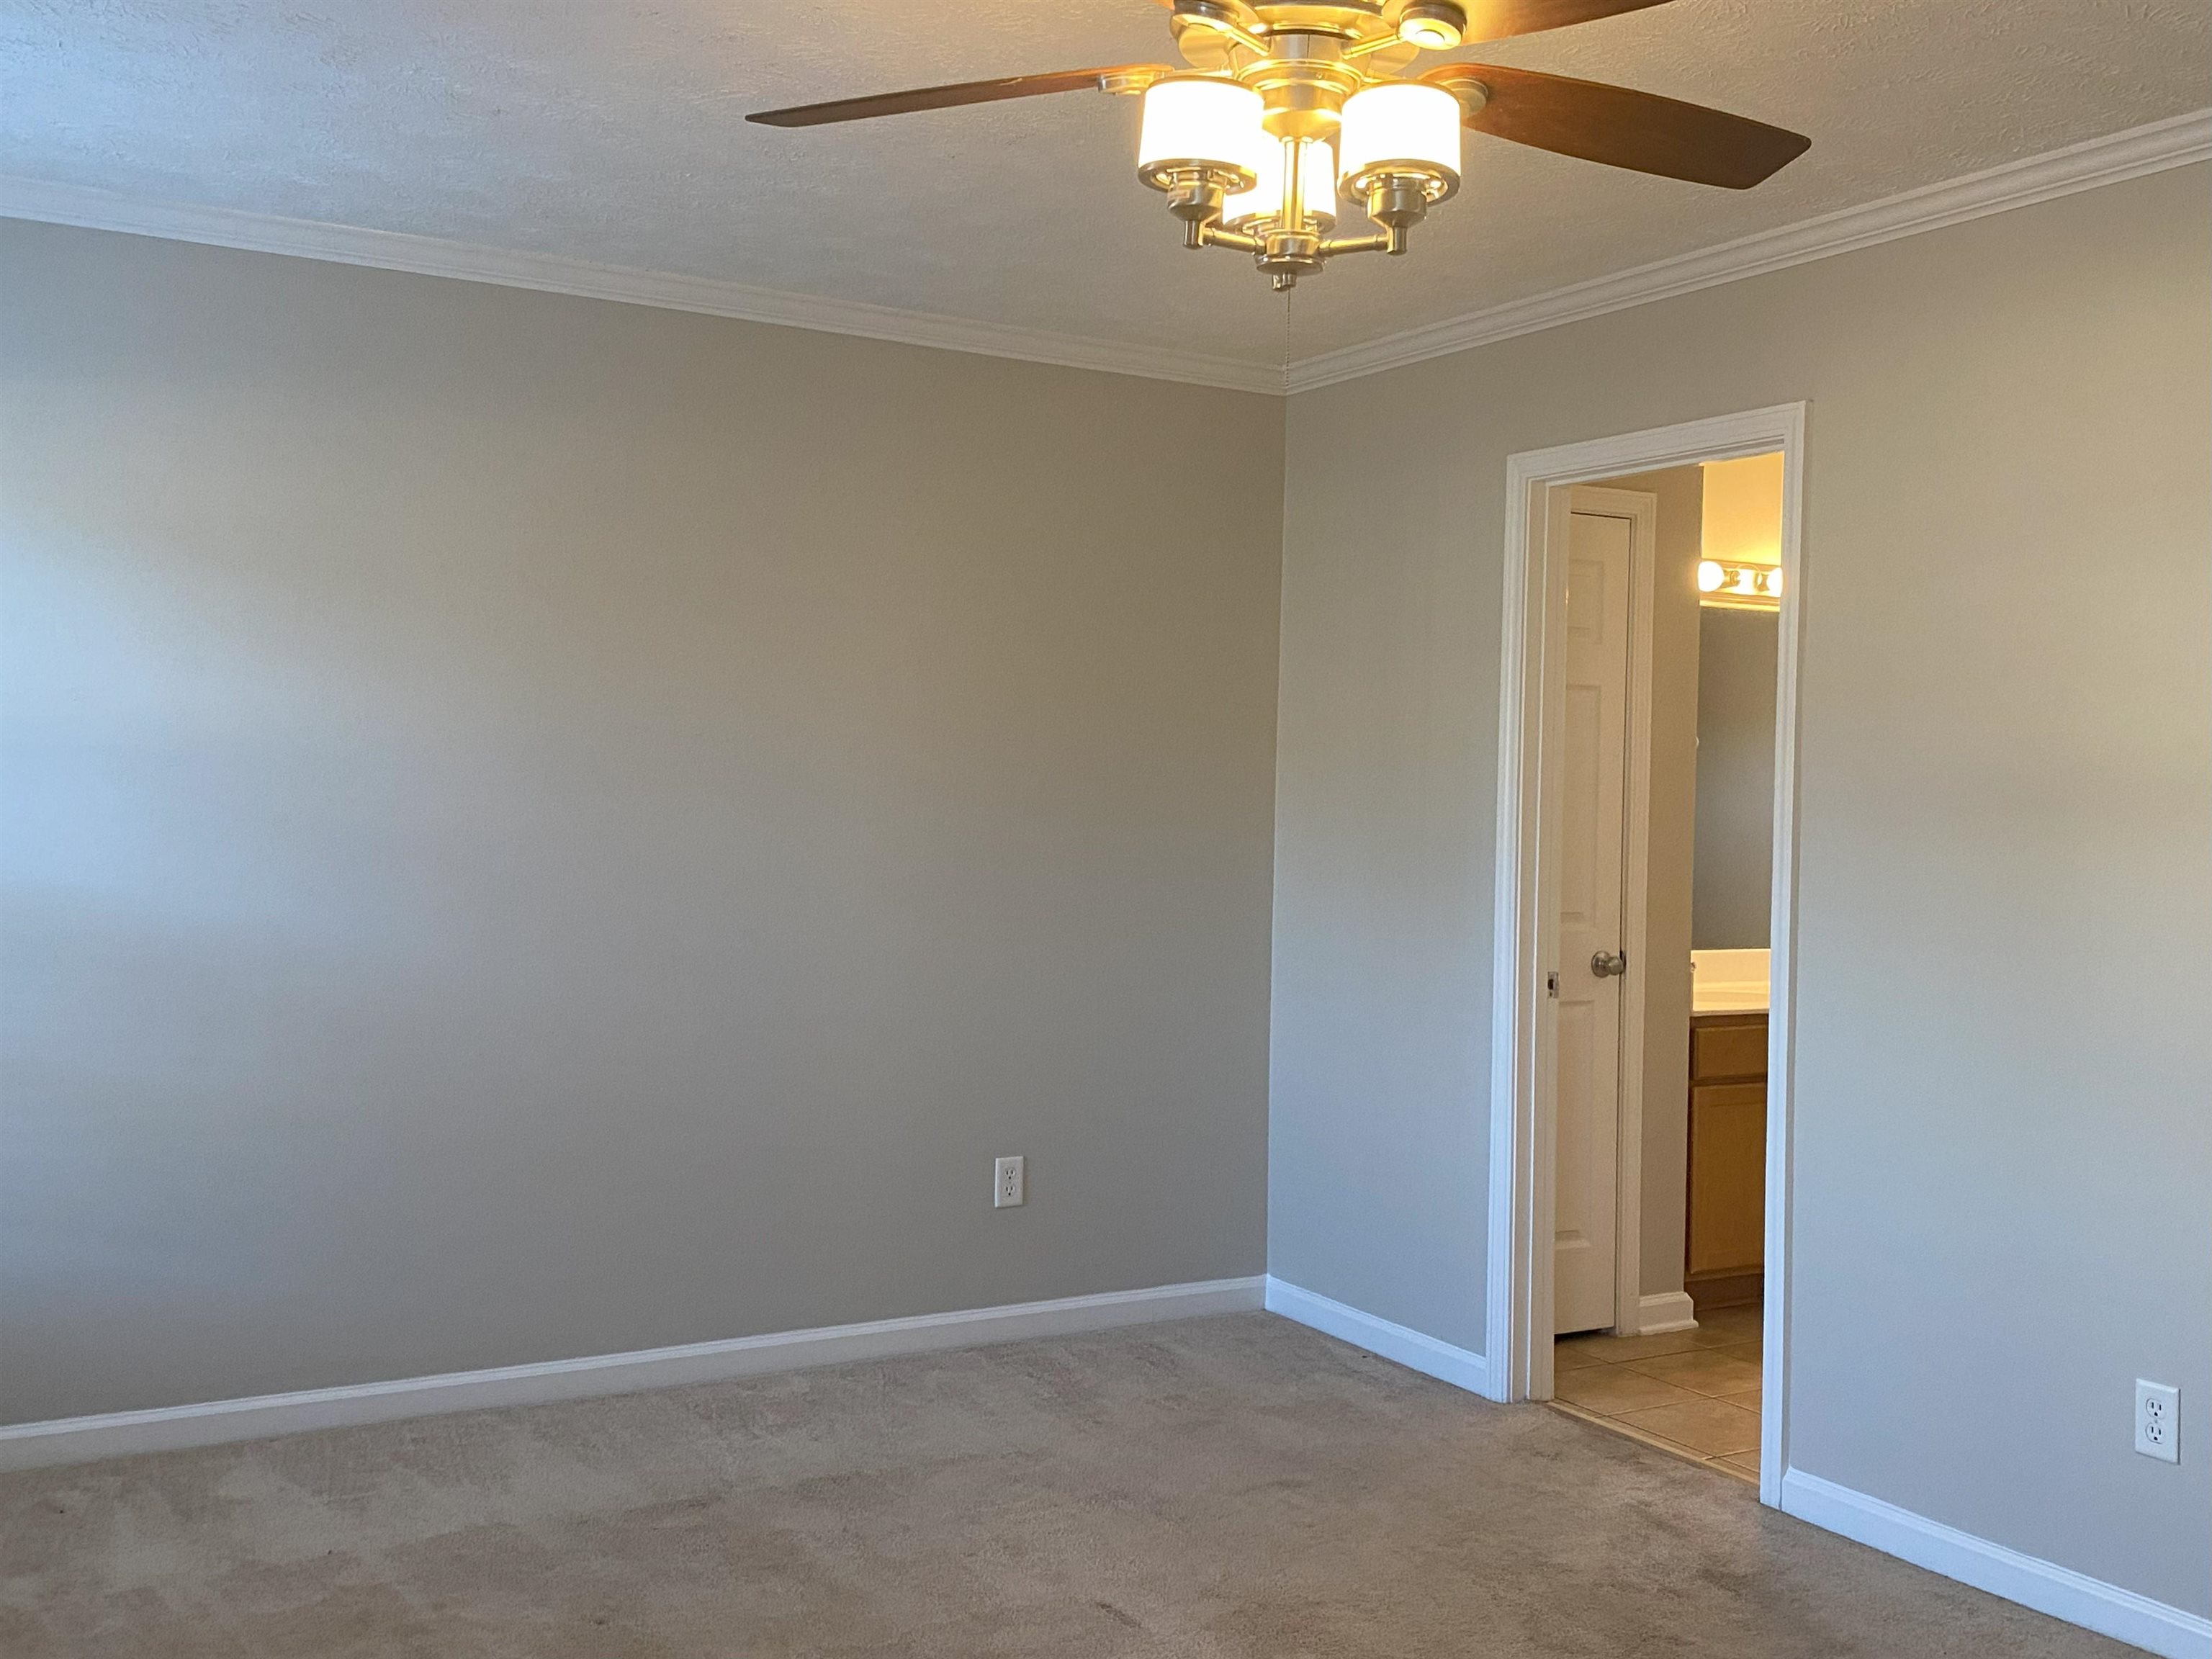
[1408, 1347]
[1670, 1311]
[2043, 1585]
[171, 1428]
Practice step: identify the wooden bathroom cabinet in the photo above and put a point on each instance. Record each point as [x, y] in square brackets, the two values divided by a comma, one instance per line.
[1724, 1260]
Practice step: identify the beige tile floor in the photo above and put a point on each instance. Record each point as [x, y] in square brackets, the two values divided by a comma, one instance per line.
[1692, 1393]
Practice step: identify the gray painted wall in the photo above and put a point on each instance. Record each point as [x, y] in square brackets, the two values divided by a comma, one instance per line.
[1734, 886]
[538, 827]
[2006, 803]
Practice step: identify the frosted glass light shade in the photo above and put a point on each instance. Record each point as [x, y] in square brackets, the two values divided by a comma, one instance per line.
[1401, 128]
[1193, 123]
[1316, 182]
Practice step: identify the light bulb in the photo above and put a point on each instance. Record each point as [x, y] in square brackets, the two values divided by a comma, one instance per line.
[1194, 123]
[1710, 576]
[1433, 25]
[1316, 186]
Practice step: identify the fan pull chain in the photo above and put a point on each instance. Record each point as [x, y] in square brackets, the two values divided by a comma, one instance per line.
[1286, 340]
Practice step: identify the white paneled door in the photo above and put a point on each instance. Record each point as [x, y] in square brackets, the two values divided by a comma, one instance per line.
[1601, 554]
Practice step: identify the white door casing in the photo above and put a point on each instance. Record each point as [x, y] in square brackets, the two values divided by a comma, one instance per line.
[1519, 1258]
[1609, 533]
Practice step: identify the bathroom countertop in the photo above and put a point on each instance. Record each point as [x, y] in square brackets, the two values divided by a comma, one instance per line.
[1728, 982]
[1727, 1000]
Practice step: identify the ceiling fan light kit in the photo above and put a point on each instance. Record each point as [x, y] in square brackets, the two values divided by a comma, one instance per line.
[1285, 108]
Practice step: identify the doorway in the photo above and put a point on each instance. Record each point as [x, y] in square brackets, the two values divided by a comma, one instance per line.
[1593, 988]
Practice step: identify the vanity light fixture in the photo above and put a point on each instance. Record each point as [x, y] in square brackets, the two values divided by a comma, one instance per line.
[1728, 585]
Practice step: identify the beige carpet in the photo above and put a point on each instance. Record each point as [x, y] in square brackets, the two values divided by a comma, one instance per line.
[1227, 1486]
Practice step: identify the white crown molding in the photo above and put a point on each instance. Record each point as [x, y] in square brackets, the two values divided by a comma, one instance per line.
[217, 1422]
[431, 256]
[1408, 1347]
[2062, 1593]
[2107, 160]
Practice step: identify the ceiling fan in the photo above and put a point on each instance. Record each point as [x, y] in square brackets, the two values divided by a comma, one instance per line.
[1285, 107]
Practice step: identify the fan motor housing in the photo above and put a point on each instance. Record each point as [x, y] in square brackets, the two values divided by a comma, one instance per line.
[1304, 57]
[1306, 87]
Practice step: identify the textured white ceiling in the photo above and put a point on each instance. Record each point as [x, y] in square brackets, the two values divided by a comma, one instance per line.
[612, 131]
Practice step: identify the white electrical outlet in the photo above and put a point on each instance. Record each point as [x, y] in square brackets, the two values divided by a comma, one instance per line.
[2158, 1421]
[1007, 1183]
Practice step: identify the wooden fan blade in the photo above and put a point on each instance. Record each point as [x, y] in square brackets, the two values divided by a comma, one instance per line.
[1622, 127]
[952, 97]
[1501, 19]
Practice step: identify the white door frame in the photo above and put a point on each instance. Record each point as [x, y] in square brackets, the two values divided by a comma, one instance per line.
[1522, 1103]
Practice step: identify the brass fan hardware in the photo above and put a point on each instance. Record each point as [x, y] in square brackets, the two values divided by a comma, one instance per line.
[1281, 109]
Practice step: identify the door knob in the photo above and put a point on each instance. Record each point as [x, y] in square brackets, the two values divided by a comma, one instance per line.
[1606, 962]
